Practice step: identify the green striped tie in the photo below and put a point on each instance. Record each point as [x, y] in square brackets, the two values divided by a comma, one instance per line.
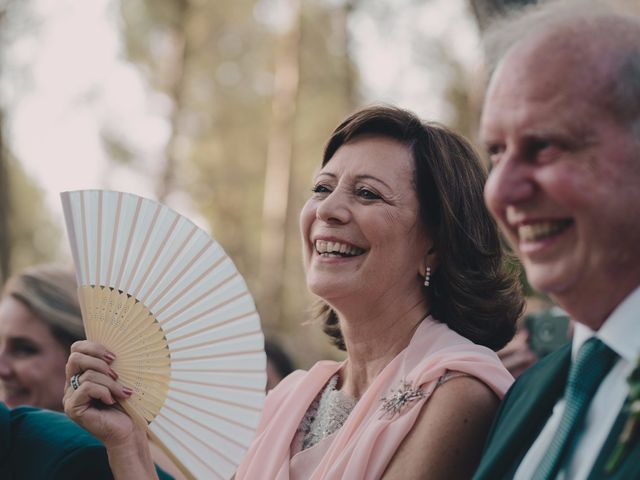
[591, 365]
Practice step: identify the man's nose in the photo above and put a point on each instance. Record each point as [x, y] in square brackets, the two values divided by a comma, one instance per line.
[510, 182]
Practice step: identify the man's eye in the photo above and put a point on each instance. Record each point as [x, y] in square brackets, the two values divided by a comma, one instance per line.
[494, 152]
[367, 194]
[538, 147]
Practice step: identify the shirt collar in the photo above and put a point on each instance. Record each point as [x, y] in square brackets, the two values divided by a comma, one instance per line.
[618, 331]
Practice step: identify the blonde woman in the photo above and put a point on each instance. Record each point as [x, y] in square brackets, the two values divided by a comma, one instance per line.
[39, 320]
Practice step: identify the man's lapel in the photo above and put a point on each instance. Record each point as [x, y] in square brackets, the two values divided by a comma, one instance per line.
[523, 413]
[629, 465]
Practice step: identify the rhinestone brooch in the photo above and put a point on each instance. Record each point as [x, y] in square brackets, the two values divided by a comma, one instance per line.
[404, 395]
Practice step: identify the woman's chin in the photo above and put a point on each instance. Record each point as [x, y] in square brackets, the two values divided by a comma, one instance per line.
[328, 291]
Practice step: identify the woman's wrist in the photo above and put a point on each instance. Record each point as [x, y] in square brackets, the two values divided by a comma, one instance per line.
[132, 459]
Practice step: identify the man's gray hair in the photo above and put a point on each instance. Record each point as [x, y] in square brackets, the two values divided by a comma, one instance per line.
[618, 22]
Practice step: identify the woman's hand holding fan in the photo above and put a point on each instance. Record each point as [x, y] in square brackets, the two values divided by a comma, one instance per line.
[93, 405]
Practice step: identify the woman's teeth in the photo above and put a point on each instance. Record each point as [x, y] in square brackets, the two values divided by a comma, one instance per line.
[324, 247]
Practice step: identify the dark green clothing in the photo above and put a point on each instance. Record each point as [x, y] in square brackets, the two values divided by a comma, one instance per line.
[40, 444]
[524, 412]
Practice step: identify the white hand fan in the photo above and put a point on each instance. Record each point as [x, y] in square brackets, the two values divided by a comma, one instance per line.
[163, 296]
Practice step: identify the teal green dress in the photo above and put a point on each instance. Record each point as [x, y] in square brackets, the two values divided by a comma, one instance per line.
[41, 444]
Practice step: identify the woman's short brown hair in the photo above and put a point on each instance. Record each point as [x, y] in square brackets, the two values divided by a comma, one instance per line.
[475, 288]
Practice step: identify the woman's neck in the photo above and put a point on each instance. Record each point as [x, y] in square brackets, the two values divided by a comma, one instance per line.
[374, 340]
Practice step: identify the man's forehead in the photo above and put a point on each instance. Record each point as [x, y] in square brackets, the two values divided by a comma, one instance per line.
[540, 71]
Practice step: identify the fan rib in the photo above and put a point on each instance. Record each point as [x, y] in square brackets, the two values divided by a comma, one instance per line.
[205, 313]
[84, 239]
[220, 355]
[214, 431]
[214, 415]
[209, 328]
[217, 385]
[216, 370]
[171, 262]
[205, 294]
[114, 236]
[143, 250]
[99, 237]
[71, 228]
[192, 435]
[187, 448]
[219, 400]
[186, 268]
[190, 286]
[127, 248]
[152, 263]
[216, 341]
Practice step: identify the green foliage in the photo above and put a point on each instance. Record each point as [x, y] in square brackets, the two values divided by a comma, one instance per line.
[34, 236]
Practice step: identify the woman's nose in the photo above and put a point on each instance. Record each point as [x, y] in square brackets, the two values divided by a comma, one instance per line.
[5, 363]
[334, 208]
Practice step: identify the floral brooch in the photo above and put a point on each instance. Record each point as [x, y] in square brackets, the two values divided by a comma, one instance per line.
[403, 395]
[630, 429]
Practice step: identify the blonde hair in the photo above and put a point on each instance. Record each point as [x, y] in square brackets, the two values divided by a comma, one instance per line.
[50, 293]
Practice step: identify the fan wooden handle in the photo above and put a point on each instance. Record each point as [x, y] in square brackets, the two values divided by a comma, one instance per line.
[142, 423]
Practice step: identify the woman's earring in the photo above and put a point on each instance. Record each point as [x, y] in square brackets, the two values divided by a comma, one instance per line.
[427, 277]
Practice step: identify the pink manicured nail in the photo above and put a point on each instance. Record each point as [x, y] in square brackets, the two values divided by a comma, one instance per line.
[127, 391]
[113, 374]
[110, 357]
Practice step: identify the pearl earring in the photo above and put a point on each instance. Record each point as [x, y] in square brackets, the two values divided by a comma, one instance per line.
[427, 277]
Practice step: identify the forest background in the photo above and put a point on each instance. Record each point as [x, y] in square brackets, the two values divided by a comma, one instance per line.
[220, 109]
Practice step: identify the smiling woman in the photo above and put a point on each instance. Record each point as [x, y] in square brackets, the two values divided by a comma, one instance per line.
[39, 320]
[407, 261]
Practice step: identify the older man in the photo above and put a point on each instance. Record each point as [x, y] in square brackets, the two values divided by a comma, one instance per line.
[561, 124]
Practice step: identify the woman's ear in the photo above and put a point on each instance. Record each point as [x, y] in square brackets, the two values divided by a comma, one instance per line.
[430, 259]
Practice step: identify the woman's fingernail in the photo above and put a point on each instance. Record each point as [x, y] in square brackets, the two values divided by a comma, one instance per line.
[127, 391]
[110, 357]
[113, 374]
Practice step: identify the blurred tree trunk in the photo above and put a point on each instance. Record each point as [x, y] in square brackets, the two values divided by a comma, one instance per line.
[486, 10]
[5, 237]
[278, 168]
[349, 71]
[175, 76]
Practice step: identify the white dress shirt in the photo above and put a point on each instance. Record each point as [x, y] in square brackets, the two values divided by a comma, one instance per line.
[621, 333]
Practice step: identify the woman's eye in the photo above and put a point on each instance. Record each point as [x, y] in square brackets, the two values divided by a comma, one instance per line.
[23, 349]
[320, 188]
[367, 194]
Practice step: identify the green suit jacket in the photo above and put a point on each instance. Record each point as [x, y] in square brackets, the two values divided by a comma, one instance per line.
[525, 410]
[40, 444]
